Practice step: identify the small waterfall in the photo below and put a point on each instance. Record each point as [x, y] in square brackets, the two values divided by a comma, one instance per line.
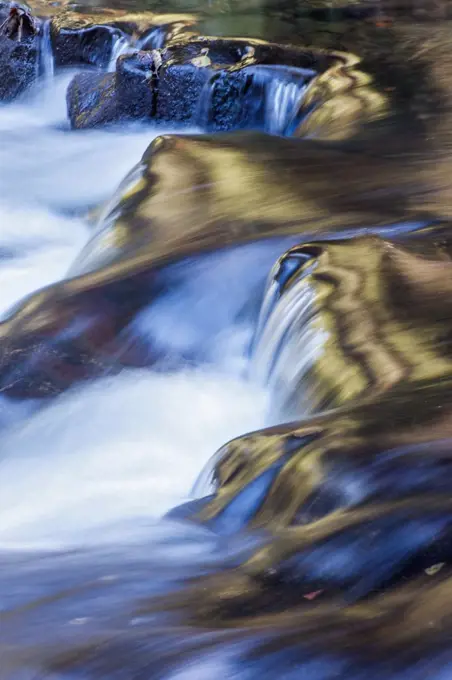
[284, 89]
[153, 39]
[102, 246]
[288, 339]
[120, 45]
[253, 97]
[46, 59]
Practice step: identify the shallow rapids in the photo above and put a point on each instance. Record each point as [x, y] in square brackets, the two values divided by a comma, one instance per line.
[127, 447]
[225, 355]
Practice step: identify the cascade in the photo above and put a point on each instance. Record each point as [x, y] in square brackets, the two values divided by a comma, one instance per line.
[288, 339]
[284, 89]
[121, 45]
[46, 59]
[266, 97]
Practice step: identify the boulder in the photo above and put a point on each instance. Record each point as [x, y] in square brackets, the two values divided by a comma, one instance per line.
[19, 50]
[339, 107]
[95, 99]
[92, 100]
[93, 39]
[180, 88]
[228, 84]
[178, 202]
[83, 41]
[136, 77]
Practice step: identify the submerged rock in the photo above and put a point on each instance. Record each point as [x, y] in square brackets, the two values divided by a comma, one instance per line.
[352, 319]
[19, 50]
[339, 103]
[84, 326]
[166, 29]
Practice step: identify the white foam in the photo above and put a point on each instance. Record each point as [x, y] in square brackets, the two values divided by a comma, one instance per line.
[124, 447]
[36, 248]
[44, 162]
[204, 313]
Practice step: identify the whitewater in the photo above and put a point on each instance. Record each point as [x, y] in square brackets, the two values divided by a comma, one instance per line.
[113, 455]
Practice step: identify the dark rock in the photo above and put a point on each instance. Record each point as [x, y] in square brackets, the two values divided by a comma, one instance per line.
[233, 102]
[255, 97]
[229, 84]
[91, 39]
[180, 87]
[81, 41]
[239, 52]
[136, 84]
[18, 66]
[92, 100]
[19, 50]
[97, 99]
[188, 67]
[16, 21]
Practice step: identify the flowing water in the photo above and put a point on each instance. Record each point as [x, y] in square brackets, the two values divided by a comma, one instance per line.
[88, 479]
[109, 452]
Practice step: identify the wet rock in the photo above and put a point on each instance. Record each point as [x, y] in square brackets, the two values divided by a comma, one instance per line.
[228, 84]
[232, 102]
[78, 40]
[94, 39]
[256, 97]
[130, 93]
[19, 50]
[187, 71]
[92, 100]
[180, 88]
[337, 107]
[137, 84]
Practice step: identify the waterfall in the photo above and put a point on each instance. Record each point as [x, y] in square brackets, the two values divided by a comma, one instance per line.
[288, 340]
[120, 45]
[102, 247]
[284, 89]
[253, 97]
[46, 60]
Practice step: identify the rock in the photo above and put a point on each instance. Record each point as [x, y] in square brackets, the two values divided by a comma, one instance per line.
[231, 103]
[229, 84]
[180, 88]
[91, 39]
[188, 67]
[78, 40]
[338, 107]
[137, 83]
[92, 100]
[19, 50]
[83, 326]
